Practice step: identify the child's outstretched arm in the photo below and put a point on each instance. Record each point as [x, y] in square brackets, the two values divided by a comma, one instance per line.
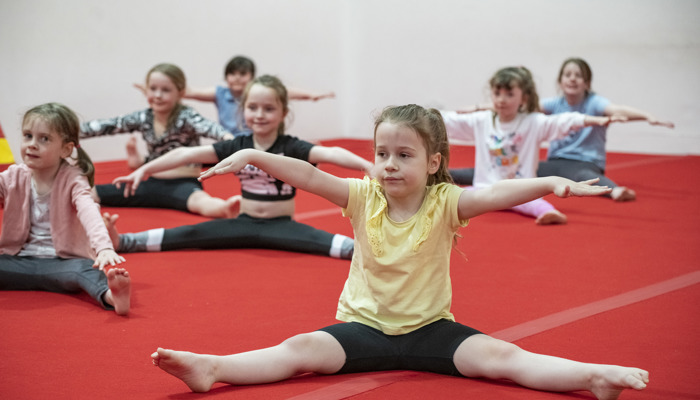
[339, 156]
[474, 108]
[511, 192]
[107, 257]
[591, 120]
[634, 114]
[201, 94]
[295, 172]
[175, 158]
[298, 94]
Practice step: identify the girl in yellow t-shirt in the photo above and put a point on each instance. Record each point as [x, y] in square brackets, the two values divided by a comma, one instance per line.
[405, 220]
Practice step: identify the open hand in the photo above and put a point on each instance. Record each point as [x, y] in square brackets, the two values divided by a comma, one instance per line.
[667, 124]
[568, 188]
[131, 182]
[230, 164]
[107, 257]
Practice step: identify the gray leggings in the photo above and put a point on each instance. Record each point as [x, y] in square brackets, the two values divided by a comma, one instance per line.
[57, 275]
[575, 170]
[571, 169]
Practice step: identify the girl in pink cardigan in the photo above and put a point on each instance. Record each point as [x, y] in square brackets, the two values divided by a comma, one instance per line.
[53, 237]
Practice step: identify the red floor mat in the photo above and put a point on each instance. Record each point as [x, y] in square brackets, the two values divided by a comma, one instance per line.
[224, 301]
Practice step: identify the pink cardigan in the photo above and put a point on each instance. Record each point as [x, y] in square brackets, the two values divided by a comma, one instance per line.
[77, 228]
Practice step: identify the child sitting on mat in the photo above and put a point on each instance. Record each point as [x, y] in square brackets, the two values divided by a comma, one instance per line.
[239, 71]
[51, 227]
[581, 155]
[165, 126]
[266, 203]
[396, 300]
[507, 140]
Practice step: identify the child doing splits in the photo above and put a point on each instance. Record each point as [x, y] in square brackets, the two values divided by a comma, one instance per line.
[396, 301]
[266, 203]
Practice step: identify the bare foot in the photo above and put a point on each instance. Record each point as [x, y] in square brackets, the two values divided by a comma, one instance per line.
[111, 224]
[611, 382]
[133, 158]
[233, 206]
[551, 218]
[193, 369]
[119, 293]
[622, 193]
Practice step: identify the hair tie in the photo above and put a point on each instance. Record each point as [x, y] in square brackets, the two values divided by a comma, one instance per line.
[77, 145]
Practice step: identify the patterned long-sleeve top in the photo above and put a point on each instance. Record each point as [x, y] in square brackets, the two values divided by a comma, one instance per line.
[187, 130]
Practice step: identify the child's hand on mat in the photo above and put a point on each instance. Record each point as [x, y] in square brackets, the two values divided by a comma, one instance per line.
[107, 257]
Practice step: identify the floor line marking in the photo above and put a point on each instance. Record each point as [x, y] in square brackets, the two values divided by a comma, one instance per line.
[577, 313]
[317, 213]
[355, 386]
[645, 161]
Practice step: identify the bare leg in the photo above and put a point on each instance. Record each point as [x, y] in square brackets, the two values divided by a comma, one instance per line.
[133, 157]
[119, 293]
[200, 202]
[233, 206]
[552, 217]
[111, 224]
[317, 352]
[622, 193]
[484, 356]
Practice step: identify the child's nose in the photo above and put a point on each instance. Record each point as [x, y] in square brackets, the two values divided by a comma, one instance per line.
[391, 163]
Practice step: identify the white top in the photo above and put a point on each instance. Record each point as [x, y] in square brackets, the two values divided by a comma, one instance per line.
[508, 150]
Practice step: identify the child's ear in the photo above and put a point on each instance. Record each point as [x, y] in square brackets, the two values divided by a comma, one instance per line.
[67, 149]
[434, 163]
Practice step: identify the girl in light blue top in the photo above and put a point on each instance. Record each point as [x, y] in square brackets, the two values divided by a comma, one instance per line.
[581, 155]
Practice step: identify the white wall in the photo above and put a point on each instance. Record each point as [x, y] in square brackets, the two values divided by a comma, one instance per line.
[86, 54]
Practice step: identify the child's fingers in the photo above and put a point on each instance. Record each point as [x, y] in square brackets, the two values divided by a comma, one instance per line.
[590, 181]
[134, 186]
[208, 173]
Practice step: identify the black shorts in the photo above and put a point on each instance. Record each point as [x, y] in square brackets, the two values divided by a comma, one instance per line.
[151, 193]
[430, 348]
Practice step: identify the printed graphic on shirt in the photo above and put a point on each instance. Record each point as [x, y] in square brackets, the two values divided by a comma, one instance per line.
[503, 151]
[186, 130]
[257, 184]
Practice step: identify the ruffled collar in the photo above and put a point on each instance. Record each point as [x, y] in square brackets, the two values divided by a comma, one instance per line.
[375, 233]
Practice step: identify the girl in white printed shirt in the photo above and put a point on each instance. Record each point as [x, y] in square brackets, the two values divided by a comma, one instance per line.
[507, 139]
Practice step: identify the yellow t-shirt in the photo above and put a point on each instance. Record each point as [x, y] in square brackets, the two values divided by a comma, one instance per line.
[399, 277]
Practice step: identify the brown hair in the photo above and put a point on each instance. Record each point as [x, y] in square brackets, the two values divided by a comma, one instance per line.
[240, 64]
[429, 125]
[177, 77]
[273, 83]
[65, 122]
[509, 77]
[586, 72]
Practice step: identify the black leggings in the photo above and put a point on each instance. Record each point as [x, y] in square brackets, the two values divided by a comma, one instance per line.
[281, 233]
[152, 193]
[430, 348]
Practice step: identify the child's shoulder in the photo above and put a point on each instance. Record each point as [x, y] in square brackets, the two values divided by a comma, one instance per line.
[15, 170]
